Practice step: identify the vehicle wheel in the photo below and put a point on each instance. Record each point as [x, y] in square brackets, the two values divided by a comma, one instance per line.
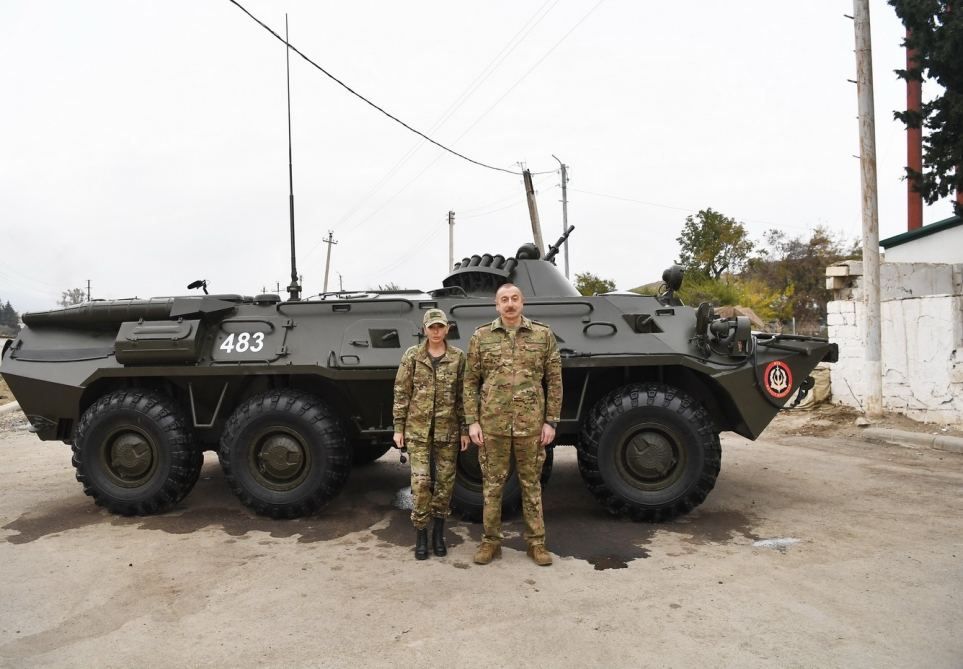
[467, 499]
[365, 452]
[133, 453]
[284, 454]
[197, 462]
[649, 450]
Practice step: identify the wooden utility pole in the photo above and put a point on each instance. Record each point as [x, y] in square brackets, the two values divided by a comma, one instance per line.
[327, 263]
[873, 391]
[88, 290]
[533, 211]
[451, 240]
[564, 169]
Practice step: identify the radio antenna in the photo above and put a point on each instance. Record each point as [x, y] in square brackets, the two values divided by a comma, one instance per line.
[294, 289]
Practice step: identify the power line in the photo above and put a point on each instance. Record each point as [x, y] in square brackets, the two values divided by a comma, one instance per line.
[529, 71]
[686, 209]
[366, 100]
[460, 100]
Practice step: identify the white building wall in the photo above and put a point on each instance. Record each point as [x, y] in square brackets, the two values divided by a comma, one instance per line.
[946, 246]
[922, 339]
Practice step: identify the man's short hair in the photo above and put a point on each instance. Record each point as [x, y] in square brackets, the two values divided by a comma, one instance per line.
[507, 286]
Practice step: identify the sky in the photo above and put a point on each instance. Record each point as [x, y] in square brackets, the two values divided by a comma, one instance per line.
[144, 144]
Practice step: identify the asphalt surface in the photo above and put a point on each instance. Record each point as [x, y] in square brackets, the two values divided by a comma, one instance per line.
[811, 551]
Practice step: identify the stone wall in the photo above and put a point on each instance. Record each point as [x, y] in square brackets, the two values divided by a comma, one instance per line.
[922, 337]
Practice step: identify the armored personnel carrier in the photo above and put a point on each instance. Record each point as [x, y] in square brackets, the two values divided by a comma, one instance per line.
[292, 394]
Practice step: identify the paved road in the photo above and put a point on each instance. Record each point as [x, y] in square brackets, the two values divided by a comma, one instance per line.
[873, 580]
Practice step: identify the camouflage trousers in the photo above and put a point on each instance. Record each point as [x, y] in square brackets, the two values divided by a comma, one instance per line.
[426, 503]
[495, 460]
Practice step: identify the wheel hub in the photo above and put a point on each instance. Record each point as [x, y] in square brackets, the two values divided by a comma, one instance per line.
[280, 458]
[130, 456]
[649, 455]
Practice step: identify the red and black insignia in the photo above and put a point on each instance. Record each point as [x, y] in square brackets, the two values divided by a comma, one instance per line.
[778, 379]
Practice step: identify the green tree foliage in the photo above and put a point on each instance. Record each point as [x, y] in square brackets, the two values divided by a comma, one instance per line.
[9, 319]
[936, 32]
[590, 284]
[72, 296]
[794, 268]
[731, 291]
[712, 244]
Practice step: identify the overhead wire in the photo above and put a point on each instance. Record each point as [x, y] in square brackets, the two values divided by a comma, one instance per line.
[485, 113]
[529, 71]
[667, 206]
[363, 98]
[460, 100]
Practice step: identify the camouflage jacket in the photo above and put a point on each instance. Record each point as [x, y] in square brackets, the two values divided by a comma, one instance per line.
[504, 379]
[424, 395]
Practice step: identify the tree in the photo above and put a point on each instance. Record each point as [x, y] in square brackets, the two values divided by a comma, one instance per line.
[9, 319]
[936, 33]
[795, 268]
[72, 296]
[712, 244]
[590, 284]
[731, 291]
[388, 287]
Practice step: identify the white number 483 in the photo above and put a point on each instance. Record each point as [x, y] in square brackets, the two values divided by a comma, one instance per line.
[244, 342]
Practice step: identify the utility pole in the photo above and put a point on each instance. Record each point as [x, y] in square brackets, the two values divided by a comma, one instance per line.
[340, 283]
[533, 211]
[873, 391]
[88, 290]
[327, 263]
[451, 240]
[564, 169]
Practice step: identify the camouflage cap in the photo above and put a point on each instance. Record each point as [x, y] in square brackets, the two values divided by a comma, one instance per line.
[433, 316]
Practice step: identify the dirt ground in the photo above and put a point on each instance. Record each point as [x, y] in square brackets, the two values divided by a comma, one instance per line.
[5, 394]
[814, 549]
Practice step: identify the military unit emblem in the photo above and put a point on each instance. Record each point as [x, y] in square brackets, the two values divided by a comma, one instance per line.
[778, 379]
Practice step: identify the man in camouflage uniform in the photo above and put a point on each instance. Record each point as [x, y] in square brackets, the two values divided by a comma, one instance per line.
[429, 421]
[513, 397]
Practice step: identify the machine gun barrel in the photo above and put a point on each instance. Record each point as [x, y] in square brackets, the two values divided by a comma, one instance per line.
[553, 249]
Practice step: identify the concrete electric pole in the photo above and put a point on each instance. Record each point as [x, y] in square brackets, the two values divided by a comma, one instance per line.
[88, 290]
[451, 240]
[564, 169]
[873, 391]
[327, 263]
[533, 211]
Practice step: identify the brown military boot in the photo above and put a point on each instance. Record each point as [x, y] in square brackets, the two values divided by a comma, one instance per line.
[487, 552]
[539, 555]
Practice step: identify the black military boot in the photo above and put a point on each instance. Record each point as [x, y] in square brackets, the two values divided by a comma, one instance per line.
[421, 544]
[438, 537]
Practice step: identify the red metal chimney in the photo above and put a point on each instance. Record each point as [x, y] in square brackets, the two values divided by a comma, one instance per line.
[914, 143]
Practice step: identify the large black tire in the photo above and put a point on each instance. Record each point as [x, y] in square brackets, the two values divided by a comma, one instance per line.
[365, 452]
[467, 499]
[134, 454]
[650, 451]
[197, 463]
[284, 454]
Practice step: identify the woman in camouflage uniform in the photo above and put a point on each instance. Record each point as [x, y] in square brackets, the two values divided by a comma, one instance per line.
[429, 421]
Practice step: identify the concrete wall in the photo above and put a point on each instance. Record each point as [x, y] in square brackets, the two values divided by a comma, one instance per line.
[922, 337]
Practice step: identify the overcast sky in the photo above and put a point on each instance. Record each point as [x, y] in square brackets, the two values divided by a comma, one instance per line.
[144, 144]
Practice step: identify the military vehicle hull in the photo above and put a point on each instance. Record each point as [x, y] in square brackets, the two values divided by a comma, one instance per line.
[292, 394]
